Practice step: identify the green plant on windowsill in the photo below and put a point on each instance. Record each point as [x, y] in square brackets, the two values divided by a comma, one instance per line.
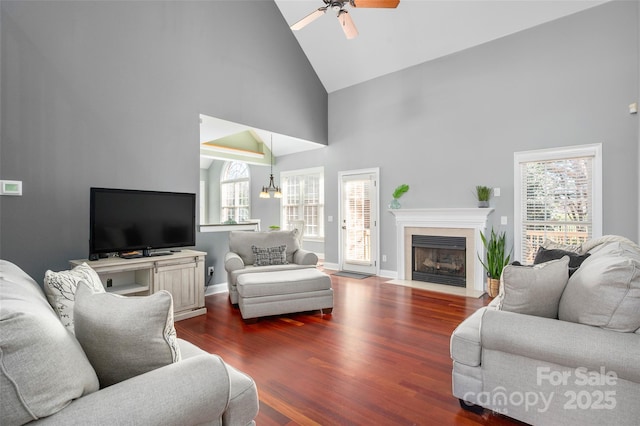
[483, 193]
[496, 259]
[274, 227]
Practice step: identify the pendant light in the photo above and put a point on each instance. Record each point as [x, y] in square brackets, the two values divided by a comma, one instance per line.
[272, 188]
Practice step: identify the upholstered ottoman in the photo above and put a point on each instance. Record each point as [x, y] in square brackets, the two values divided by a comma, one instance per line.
[281, 292]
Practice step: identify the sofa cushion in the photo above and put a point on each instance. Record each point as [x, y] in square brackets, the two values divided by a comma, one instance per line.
[60, 288]
[534, 290]
[294, 281]
[240, 242]
[270, 255]
[125, 336]
[43, 367]
[605, 291]
[575, 259]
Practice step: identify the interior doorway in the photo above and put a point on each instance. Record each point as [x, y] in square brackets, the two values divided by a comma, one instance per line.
[359, 234]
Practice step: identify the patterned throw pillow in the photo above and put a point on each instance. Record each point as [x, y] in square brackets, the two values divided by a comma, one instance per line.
[278, 255]
[124, 337]
[270, 255]
[60, 288]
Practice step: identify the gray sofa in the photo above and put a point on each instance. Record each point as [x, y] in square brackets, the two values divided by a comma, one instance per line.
[557, 350]
[241, 259]
[46, 376]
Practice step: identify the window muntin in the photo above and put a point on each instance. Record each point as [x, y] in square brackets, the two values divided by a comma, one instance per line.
[303, 199]
[234, 192]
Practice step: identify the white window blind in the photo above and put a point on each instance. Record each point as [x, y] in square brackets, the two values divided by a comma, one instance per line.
[558, 198]
[358, 221]
[234, 192]
[303, 199]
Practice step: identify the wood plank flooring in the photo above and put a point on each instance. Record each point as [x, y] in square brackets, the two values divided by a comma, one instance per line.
[381, 357]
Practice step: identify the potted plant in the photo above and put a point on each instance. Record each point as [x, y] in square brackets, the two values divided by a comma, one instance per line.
[397, 193]
[274, 227]
[483, 193]
[496, 259]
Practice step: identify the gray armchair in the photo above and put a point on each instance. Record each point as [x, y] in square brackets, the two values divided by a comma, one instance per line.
[241, 260]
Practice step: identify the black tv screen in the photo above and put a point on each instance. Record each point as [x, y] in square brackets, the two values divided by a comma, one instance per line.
[123, 220]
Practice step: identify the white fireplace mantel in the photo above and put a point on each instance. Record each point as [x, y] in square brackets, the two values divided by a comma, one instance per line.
[460, 218]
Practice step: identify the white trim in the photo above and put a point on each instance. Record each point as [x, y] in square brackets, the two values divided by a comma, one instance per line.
[590, 150]
[216, 289]
[376, 254]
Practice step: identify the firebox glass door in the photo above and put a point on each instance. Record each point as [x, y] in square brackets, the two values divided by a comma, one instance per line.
[359, 222]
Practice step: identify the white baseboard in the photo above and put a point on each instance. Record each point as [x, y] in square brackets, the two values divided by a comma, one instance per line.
[332, 266]
[215, 289]
[386, 273]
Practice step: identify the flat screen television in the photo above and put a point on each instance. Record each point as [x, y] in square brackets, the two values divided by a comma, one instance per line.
[125, 220]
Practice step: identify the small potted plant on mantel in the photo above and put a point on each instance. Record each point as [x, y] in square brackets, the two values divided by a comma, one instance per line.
[397, 193]
[496, 259]
[483, 193]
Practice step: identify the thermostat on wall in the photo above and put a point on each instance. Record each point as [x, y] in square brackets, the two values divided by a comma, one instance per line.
[10, 187]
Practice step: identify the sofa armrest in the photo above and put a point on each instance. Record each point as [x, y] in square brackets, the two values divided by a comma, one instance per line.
[305, 257]
[561, 342]
[189, 392]
[465, 346]
[233, 262]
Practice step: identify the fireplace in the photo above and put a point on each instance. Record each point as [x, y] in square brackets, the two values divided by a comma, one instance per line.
[439, 259]
[458, 227]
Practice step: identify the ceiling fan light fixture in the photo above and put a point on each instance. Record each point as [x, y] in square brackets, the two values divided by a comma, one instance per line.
[349, 28]
[309, 18]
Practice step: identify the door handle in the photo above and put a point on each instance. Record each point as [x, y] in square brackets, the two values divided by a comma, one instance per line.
[344, 227]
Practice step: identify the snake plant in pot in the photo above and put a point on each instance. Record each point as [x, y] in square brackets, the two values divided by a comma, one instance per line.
[496, 259]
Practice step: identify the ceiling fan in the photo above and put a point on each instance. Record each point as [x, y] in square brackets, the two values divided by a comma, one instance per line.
[338, 6]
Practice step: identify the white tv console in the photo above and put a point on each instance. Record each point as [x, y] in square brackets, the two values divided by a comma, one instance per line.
[180, 273]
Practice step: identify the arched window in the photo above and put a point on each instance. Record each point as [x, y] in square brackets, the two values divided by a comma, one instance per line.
[234, 192]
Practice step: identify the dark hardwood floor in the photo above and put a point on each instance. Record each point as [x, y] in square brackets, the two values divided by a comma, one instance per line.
[381, 357]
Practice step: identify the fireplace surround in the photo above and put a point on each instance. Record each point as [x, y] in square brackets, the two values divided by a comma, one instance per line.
[445, 222]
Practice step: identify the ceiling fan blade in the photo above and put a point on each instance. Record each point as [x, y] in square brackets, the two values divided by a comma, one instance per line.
[349, 28]
[309, 19]
[389, 4]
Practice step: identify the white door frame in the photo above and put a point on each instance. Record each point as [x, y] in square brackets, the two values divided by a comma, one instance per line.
[375, 235]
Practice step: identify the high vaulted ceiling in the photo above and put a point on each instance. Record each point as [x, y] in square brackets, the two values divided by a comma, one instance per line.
[416, 31]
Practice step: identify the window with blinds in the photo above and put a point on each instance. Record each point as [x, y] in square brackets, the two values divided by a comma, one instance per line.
[303, 199]
[234, 192]
[557, 197]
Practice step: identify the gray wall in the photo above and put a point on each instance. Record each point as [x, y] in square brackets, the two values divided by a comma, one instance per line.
[109, 93]
[450, 124]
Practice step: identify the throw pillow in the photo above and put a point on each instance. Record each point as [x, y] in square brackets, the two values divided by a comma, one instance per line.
[278, 255]
[43, 368]
[60, 288]
[604, 292]
[534, 290]
[124, 337]
[575, 259]
[270, 255]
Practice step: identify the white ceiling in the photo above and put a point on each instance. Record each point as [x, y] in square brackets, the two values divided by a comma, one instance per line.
[393, 39]
[416, 31]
